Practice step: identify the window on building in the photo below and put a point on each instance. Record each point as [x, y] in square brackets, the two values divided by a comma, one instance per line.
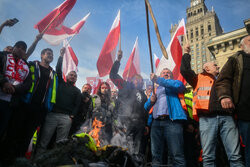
[200, 9]
[196, 31]
[191, 33]
[209, 27]
[202, 30]
[204, 59]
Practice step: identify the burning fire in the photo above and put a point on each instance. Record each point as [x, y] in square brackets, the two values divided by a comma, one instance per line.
[96, 125]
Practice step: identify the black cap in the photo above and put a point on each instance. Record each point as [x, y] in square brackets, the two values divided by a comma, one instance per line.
[21, 43]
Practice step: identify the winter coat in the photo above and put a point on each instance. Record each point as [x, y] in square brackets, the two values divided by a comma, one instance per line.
[229, 81]
[172, 88]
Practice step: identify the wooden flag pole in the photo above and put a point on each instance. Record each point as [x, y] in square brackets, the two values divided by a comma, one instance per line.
[45, 29]
[120, 47]
[149, 42]
[163, 49]
[70, 40]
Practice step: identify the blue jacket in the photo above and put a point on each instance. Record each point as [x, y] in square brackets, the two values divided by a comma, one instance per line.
[172, 88]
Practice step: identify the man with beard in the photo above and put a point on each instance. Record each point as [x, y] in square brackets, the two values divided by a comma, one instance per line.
[233, 89]
[66, 107]
[131, 114]
[34, 106]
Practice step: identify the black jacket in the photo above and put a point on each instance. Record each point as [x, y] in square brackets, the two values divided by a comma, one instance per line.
[68, 98]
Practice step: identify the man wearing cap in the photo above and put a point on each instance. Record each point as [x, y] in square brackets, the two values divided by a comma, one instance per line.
[36, 103]
[14, 81]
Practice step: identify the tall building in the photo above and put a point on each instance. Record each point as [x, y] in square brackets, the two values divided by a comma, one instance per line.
[228, 44]
[201, 26]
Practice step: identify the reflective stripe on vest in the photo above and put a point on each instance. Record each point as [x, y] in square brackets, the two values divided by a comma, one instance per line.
[202, 93]
[53, 97]
[32, 70]
[183, 104]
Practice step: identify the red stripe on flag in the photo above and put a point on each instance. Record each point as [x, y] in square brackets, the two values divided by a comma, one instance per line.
[73, 55]
[105, 61]
[176, 51]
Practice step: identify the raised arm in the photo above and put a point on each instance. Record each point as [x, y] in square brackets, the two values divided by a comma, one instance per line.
[59, 65]
[114, 76]
[9, 22]
[186, 70]
[33, 46]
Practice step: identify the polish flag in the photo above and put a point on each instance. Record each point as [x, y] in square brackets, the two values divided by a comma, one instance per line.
[57, 32]
[156, 61]
[70, 60]
[133, 65]
[107, 55]
[174, 51]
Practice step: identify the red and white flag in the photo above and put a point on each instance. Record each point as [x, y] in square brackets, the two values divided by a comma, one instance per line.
[70, 60]
[156, 61]
[107, 55]
[133, 65]
[174, 51]
[57, 32]
[96, 85]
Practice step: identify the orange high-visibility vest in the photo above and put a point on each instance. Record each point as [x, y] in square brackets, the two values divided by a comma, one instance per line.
[183, 104]
[202, 93]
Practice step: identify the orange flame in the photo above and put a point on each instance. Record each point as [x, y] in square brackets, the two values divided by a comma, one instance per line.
[96, 125]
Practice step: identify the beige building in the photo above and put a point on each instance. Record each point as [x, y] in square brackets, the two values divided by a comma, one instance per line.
[202, 25]
[226, 45]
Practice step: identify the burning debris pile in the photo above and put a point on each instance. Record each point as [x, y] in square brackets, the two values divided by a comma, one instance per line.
[81, 150]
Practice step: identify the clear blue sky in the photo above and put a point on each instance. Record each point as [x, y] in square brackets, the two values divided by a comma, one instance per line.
[88, 43]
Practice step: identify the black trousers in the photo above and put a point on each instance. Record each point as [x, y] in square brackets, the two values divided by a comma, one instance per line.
[23, 123]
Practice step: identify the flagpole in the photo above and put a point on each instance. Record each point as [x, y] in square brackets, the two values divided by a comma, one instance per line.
[149, 42]
[120, 45]
[185, 35]
[70, 40]
[45, 29]
[163, 49]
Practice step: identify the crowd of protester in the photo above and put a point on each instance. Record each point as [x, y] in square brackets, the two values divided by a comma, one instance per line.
[165, 124]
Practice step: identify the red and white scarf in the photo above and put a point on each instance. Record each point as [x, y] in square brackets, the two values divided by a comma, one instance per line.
[16, 72]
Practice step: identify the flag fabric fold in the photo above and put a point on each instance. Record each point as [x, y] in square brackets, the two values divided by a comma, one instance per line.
[56, 31]
[70, 61]
[133, 64]
[107, 55]
[156, 61]
[97, 84]
[174, 51]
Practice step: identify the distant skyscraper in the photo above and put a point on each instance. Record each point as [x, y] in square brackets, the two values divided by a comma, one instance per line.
[201, 26]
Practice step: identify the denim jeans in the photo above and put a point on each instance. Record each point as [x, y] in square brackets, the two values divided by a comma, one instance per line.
[172, 133]
[225, 126]
[244, 128]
